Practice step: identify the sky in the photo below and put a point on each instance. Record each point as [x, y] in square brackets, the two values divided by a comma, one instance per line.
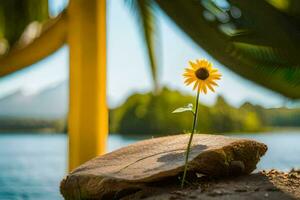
[127, 64]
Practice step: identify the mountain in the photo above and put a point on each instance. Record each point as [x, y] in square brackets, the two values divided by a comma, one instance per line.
[49, 103]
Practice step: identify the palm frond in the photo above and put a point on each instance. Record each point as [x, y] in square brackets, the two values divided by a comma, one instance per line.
[252, 38]
[144, 13]
[15, 15]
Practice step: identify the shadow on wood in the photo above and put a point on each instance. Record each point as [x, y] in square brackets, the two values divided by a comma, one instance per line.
[161, 159]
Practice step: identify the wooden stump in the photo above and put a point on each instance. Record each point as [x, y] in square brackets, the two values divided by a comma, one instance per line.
[133, 167]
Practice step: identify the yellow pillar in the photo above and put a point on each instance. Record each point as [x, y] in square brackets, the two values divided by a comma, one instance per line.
[88, 117]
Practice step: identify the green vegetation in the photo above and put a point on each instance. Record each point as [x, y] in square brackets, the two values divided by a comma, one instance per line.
[32, 125]
[15, 16]
[152, 114]
[236, 33]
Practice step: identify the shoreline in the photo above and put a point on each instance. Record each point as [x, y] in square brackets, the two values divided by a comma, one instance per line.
[50, 131]
[268, 130]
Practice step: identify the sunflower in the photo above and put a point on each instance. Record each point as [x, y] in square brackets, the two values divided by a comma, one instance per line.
[202, 74]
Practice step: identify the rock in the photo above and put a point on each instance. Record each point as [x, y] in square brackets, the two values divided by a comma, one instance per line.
[131, 168]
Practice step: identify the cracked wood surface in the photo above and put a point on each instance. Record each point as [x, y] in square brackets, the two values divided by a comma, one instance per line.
[132, 167]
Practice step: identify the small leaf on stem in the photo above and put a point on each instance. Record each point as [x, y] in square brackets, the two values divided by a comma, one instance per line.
[187, 108]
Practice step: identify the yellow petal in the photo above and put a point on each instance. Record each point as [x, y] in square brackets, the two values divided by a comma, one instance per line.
[195, 85]
[189, 81]
[199, 62]
[200, 85]
[193, 65]
[212, 82]
[189, 70]
[214, 71]
[209, 66]
[216, 74]
[216, 78]
[187, 74]
[204, 89]
[210, 87]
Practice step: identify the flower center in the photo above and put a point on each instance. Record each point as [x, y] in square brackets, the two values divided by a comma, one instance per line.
[202, 73]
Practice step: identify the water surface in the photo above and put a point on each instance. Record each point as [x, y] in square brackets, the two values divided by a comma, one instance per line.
[32, 165]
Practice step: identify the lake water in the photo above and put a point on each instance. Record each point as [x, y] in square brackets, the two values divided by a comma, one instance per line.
[32, 165]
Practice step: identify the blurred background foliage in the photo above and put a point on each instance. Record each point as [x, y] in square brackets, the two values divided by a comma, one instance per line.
[151, 114]
[16, 16]
[257, 39]
[30, 124]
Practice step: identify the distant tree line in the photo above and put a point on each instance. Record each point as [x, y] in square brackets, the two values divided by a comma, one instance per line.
[12, 124]
[152, 114]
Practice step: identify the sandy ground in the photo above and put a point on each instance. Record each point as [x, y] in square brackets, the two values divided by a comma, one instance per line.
[271, 184]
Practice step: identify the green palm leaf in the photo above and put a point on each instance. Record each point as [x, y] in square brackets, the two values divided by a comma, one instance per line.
[15, 15]
[146, 19]
[258, 40]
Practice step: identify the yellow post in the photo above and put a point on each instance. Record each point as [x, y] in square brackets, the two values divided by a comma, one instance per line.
[88, 117]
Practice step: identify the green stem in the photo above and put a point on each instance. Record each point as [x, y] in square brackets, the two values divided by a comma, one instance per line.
[190, 141]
